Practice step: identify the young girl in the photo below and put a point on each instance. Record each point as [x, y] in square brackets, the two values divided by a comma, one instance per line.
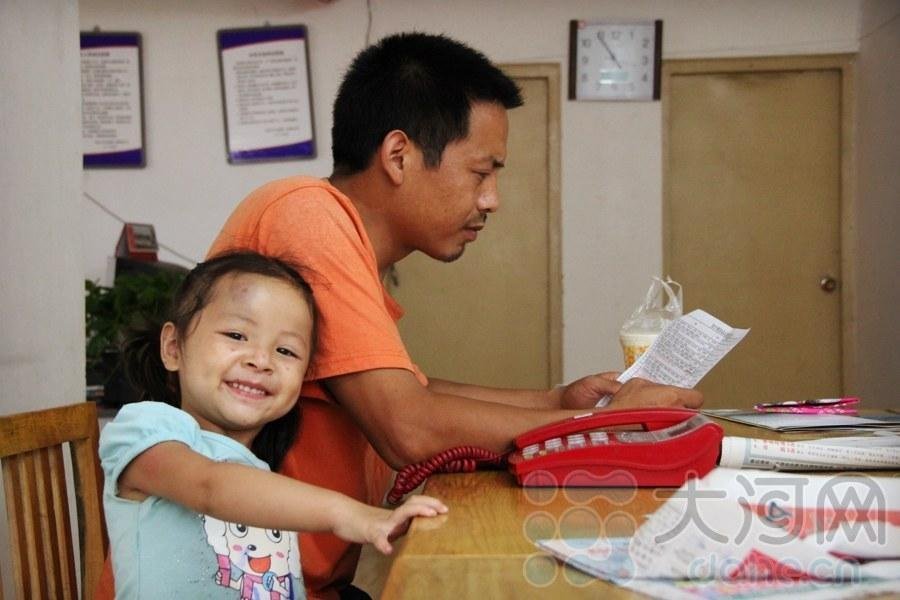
[192, 512]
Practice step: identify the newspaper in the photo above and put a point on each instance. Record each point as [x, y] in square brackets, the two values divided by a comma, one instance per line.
[609, 559]
[756, 534]
[828, 454]
[787, 422]
[685, 351]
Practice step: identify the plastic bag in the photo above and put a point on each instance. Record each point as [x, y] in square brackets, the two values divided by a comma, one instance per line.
[662, 305]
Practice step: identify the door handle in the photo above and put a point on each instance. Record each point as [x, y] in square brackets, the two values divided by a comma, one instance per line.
[393, 277]
[828, 284]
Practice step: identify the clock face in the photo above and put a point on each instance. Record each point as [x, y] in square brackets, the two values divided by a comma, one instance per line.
[614, 60]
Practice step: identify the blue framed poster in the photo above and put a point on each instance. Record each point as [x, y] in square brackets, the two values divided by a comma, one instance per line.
[266, 93]
[112, 104]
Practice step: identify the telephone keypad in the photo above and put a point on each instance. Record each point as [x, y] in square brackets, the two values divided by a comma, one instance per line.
[554, 445]
[572, 442]
[598, 438]
[576, 441]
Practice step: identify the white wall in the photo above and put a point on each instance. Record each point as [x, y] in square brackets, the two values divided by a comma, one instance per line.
[41, 296]
[42, 355]
[611, 152]
[878, 219]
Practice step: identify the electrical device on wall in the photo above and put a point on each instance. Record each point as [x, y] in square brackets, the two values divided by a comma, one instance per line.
[615, 59]
[138, 242]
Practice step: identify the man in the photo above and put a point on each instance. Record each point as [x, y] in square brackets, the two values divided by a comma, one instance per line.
[419, 137]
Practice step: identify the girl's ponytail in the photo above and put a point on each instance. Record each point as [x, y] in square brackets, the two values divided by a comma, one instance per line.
[144, 367]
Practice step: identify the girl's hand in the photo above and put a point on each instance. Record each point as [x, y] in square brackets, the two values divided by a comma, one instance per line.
[379, 526]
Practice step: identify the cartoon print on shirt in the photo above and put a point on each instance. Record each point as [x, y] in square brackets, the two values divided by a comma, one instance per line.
[258, 562]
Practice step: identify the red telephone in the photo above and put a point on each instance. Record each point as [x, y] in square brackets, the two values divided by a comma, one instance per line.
[673, 445]
[593, 450]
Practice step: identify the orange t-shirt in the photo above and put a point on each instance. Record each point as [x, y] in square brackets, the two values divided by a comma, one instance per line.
[309, 222]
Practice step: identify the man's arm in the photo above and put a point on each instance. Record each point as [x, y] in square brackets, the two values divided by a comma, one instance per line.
[544, 399]
[407, 422]
[580, 394]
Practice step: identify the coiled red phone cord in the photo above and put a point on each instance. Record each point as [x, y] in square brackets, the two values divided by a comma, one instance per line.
[462, 459]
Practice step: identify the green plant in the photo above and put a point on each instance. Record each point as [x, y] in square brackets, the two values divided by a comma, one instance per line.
[135, 298]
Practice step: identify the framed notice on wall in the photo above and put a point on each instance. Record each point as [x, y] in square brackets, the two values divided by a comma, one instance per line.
[266, 93]
[112, 105]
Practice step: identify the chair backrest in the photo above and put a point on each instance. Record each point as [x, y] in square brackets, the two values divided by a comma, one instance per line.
[37, 502]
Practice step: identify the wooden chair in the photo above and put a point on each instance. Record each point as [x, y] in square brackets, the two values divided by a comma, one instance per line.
[37, 504]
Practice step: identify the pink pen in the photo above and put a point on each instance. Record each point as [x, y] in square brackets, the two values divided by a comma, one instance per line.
[808, 410]
[831, 406]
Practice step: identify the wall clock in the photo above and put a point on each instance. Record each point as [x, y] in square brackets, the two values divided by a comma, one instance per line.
[615, 60]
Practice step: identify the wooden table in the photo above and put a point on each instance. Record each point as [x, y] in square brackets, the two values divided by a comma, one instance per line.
[484, 547]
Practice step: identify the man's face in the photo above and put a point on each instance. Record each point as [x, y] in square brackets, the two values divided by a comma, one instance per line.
[447, 205]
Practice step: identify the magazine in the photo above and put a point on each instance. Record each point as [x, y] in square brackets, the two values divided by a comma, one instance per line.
[756, 533]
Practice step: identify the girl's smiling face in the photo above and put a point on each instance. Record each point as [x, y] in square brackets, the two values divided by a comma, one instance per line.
[241, 363]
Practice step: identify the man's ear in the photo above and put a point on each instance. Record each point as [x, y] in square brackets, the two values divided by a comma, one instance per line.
[169, 348]
[394, 155]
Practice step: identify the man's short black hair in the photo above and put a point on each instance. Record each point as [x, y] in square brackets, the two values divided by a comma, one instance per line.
[421, 84]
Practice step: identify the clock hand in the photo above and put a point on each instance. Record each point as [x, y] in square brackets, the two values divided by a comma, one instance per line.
[611, 55]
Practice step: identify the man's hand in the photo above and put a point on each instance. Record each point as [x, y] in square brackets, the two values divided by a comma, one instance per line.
[635, 393]
[587, 391]
[640, 393]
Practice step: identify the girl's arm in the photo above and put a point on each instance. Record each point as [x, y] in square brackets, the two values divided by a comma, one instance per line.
[258, 498]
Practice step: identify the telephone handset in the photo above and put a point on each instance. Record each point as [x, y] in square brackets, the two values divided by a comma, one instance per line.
[592, 450]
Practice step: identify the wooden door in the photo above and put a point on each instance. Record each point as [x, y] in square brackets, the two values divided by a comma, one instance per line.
[493, 317]
[754, 168]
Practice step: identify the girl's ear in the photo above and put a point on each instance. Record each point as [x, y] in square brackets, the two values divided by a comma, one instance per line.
[394, 155]
[169, 348]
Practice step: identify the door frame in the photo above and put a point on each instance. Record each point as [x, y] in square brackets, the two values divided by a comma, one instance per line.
[550, 72]
[848, 240]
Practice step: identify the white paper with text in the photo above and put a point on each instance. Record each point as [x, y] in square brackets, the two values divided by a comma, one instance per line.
[685, 351]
